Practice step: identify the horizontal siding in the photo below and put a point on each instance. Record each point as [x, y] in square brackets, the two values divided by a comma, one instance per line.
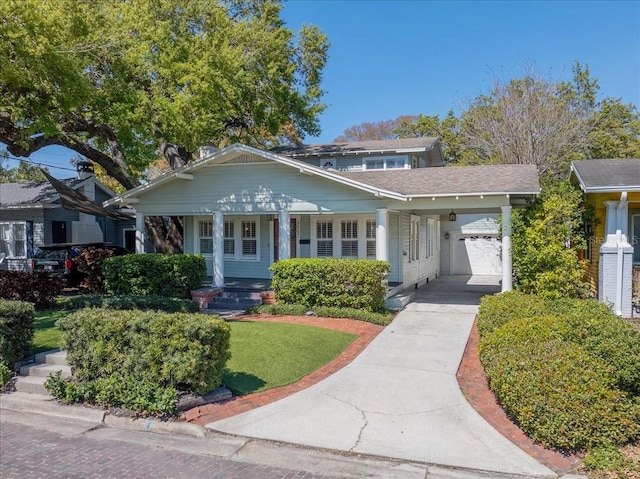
[255, 188]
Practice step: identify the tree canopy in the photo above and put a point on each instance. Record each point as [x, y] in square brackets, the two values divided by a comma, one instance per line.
[123, 82]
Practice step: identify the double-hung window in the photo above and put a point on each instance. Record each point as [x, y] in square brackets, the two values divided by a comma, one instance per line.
[13, 239]
[324, 238]
[371, 238]
[229, 239]
[349, 238]
[206, 237]
[249, 240]
[414, 238]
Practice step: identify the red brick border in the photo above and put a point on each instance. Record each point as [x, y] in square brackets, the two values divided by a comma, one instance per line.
[366, 333]
[474, 386]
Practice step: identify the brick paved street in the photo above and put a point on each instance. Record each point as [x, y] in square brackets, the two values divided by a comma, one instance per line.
[27, 452]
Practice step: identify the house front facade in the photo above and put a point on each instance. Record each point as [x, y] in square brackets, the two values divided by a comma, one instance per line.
[245, 208]
[32, 214]
[612, 191]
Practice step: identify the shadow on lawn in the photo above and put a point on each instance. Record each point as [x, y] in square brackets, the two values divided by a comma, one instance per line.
[240, 383]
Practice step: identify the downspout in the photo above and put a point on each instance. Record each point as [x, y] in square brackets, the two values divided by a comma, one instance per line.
[620, 257]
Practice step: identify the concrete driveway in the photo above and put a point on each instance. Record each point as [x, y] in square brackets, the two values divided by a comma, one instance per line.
[400, 397]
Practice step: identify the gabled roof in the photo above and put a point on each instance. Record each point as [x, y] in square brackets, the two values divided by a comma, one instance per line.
[402, 145]
[396, 184]
[32, 193]
[453, 180]
[607, 175]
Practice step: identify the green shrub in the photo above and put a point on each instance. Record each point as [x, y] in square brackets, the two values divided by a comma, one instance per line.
[130, 301]
[345, 283]
[184, 351]
[5, 375]
[172, 275]
[41, 289]
[498, 309]
[556, 391]
[16, 331]
[326, 312]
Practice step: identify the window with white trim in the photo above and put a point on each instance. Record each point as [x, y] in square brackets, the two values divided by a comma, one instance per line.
[385, 163]
[430, 238]
[206, 237]
[324, 238]
[414, 238]
[229, 239]
[349, 238]
[249, 248]
[371, 238]
[13, 239]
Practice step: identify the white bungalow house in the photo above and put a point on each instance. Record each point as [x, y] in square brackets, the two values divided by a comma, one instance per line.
[245, 208]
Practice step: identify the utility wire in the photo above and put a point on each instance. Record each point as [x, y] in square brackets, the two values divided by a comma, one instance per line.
[37, 163]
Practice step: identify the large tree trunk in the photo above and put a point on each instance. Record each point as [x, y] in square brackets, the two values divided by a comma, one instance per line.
[166, 234]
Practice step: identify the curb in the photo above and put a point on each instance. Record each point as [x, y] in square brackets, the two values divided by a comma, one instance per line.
[47, 406]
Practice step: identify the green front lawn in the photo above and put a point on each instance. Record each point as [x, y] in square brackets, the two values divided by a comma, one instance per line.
[264, 355]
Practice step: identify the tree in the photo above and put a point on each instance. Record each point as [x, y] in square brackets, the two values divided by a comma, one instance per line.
[526, 121]
[546, 238]
[379, 130]
[123, 82]
[23, 173]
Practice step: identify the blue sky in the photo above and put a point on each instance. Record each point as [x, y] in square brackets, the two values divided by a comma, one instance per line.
[390, 58]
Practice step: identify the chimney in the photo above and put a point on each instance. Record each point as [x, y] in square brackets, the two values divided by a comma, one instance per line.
[85, 170]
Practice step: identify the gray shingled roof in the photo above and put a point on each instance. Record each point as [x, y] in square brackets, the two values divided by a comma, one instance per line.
[608, 175]
[23, 194]
[343, 148]
[442, 181]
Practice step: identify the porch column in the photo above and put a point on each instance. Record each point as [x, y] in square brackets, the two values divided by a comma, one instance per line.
[218, 249]
[140, 233]
[507, 260]
[382, 234]
[284, 235]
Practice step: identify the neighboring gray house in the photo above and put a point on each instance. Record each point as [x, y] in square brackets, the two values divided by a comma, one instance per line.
[245, 208]
[31, 214]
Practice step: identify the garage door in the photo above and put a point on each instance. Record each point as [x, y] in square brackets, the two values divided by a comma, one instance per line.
[476, 254]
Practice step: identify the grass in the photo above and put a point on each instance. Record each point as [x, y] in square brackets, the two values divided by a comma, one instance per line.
[47, 336]
[265, 355]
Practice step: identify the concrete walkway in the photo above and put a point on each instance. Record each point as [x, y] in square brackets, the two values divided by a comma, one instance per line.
[400, 398]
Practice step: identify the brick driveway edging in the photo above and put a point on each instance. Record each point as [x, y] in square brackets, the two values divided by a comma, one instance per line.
[475, 387]
[366, 333]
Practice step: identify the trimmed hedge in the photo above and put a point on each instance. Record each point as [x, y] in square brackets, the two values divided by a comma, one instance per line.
[130, 301]
[16, 331]
[344, 283]
[41, 289]
[567, 371]
[172, 275]
[185, 351]
[326, 312]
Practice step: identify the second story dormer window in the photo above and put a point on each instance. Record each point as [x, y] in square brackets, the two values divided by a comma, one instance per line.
[385, 163]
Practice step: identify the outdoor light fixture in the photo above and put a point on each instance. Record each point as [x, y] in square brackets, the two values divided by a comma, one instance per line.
[452, 216]
[446, 235]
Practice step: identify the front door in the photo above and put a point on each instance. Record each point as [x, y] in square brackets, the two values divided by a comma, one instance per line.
[276, 239]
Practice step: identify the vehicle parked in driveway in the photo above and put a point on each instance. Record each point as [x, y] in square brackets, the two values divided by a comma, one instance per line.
[59, 259]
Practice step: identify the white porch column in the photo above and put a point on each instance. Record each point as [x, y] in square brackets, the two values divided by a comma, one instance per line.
[382, 234]
[507, 260]
[284, 235]
[218, 249]
[140, 233]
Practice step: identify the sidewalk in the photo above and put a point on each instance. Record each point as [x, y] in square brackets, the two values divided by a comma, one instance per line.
[399, 398]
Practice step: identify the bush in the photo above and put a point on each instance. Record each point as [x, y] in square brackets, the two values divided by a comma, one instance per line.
[184, 351]
[16, 331]
[5, 375]
[566, 370]
[326, 312]
[89, 262]
[172, 275]
[41, 289]
[144, 303]
[343, 283]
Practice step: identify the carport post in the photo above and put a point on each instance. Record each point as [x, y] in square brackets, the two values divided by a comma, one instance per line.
[218, 249]
[507, 260]
[382, 250]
